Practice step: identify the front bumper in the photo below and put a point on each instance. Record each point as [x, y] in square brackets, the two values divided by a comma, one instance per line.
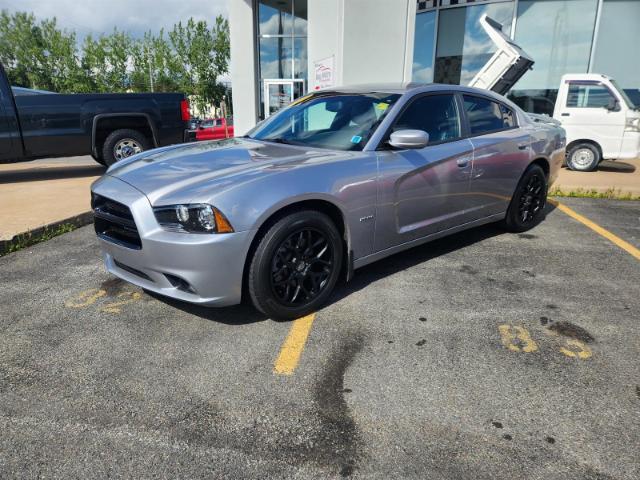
[204, 269]
[630, 148]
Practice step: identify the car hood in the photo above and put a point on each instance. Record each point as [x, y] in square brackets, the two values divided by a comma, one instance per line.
[173, 173]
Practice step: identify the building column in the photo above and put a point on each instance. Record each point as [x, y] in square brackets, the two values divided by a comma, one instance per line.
[243, 65]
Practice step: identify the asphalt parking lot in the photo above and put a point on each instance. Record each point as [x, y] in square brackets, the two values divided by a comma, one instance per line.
[482, 355]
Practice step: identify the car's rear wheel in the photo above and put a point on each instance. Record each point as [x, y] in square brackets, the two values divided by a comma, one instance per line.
[295, 265]
[526, 209]
[122, 144]
[583, 157]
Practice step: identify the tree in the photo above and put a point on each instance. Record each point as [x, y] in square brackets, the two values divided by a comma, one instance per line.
[106, 60]
[189, 59]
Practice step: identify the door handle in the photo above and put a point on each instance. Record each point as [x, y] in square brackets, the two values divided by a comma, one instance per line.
[462, 162]
[565, 114]
[523, 146]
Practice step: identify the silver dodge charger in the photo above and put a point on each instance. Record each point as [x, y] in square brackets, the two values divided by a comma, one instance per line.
[333, 182]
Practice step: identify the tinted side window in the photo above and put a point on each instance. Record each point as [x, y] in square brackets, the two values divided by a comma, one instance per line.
[486, 115]
[435, 114]
[588, 96]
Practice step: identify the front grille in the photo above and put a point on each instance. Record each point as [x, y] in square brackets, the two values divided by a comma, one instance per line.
[114, 222]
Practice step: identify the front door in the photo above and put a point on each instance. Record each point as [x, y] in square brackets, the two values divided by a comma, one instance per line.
[424, 191]
[280, 93]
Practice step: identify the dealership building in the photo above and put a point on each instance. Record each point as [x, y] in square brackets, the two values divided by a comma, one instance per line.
[283, 49]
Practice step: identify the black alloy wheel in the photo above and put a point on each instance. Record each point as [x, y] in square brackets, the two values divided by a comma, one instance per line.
[526, 209]
[301, 267]
[295, 265]
[532, 198]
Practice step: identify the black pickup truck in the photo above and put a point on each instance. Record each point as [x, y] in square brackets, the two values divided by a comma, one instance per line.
[109, 127]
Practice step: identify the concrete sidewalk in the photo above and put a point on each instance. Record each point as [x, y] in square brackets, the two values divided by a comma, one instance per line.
[618, 175]
[44, 192]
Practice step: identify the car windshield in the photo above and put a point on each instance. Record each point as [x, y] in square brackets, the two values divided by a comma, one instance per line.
[624, 95]
[337, 121]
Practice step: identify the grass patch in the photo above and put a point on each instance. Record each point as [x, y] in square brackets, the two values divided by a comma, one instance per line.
[31, 238]
[609, 194]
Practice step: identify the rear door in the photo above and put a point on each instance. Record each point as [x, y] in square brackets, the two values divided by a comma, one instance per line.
[501, 152]
[584, 115]
[424, 191]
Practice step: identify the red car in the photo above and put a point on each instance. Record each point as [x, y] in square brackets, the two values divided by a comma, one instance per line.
[215, 129]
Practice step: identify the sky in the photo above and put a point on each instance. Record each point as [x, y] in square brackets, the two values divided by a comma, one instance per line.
[135, 16]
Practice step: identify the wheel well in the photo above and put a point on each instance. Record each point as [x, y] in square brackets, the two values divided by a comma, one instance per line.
[544, 164]
[110, 124]
[590, 142]
[323, 206]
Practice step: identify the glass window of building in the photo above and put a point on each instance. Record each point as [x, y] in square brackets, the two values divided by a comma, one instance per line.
[616, 49]
[282, 47]
[557, 34]
[463, 46]
[423, 47]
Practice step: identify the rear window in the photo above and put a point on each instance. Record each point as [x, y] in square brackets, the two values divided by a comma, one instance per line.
[487, 116]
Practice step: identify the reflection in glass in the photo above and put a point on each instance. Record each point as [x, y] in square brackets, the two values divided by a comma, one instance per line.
[463, 45]
[300, 58]
[557, 34]
[424, 42]
[276, 54]
[275, 18]
[618, 28]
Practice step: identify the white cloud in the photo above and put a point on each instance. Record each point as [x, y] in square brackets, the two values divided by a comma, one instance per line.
[134, 16]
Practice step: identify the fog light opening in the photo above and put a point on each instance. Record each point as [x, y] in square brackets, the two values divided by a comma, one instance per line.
[179, 283]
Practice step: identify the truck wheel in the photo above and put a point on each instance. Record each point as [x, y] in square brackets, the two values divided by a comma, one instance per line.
[121, 144]
[295, 266]
[583, 157]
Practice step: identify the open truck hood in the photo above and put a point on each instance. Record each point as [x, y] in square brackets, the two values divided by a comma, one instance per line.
[506, 66]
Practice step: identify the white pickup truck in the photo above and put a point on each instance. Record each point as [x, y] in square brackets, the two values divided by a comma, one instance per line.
[600, 120]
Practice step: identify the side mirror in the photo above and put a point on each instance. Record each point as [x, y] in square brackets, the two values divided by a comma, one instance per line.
[613, 105]
[411, 139]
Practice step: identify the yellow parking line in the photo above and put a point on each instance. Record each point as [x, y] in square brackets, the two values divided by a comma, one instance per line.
[626, 246]
[293, 346]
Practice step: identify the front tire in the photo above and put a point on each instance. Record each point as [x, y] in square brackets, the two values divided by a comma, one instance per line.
[123, 143]
[583, 157]
[529, 199]
[295, 266]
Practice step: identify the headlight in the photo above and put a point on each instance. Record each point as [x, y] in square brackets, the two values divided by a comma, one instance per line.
[633, 125]
[193, 218]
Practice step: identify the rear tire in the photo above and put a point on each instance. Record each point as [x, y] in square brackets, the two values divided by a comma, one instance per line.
[529, 199]
[583, 157]
[123, 143]
[295, 266]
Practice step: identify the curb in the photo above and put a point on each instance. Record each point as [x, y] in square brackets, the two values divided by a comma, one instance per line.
[77, 221]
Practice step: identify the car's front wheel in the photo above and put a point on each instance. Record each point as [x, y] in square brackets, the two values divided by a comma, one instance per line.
[526, 209]
[296, 265]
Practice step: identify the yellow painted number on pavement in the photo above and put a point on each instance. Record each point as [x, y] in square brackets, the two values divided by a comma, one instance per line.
[576, 349]
[86, 298]
[128, 297]
[517, 339]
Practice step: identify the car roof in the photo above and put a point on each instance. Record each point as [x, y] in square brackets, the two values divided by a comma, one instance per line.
[408, 87]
